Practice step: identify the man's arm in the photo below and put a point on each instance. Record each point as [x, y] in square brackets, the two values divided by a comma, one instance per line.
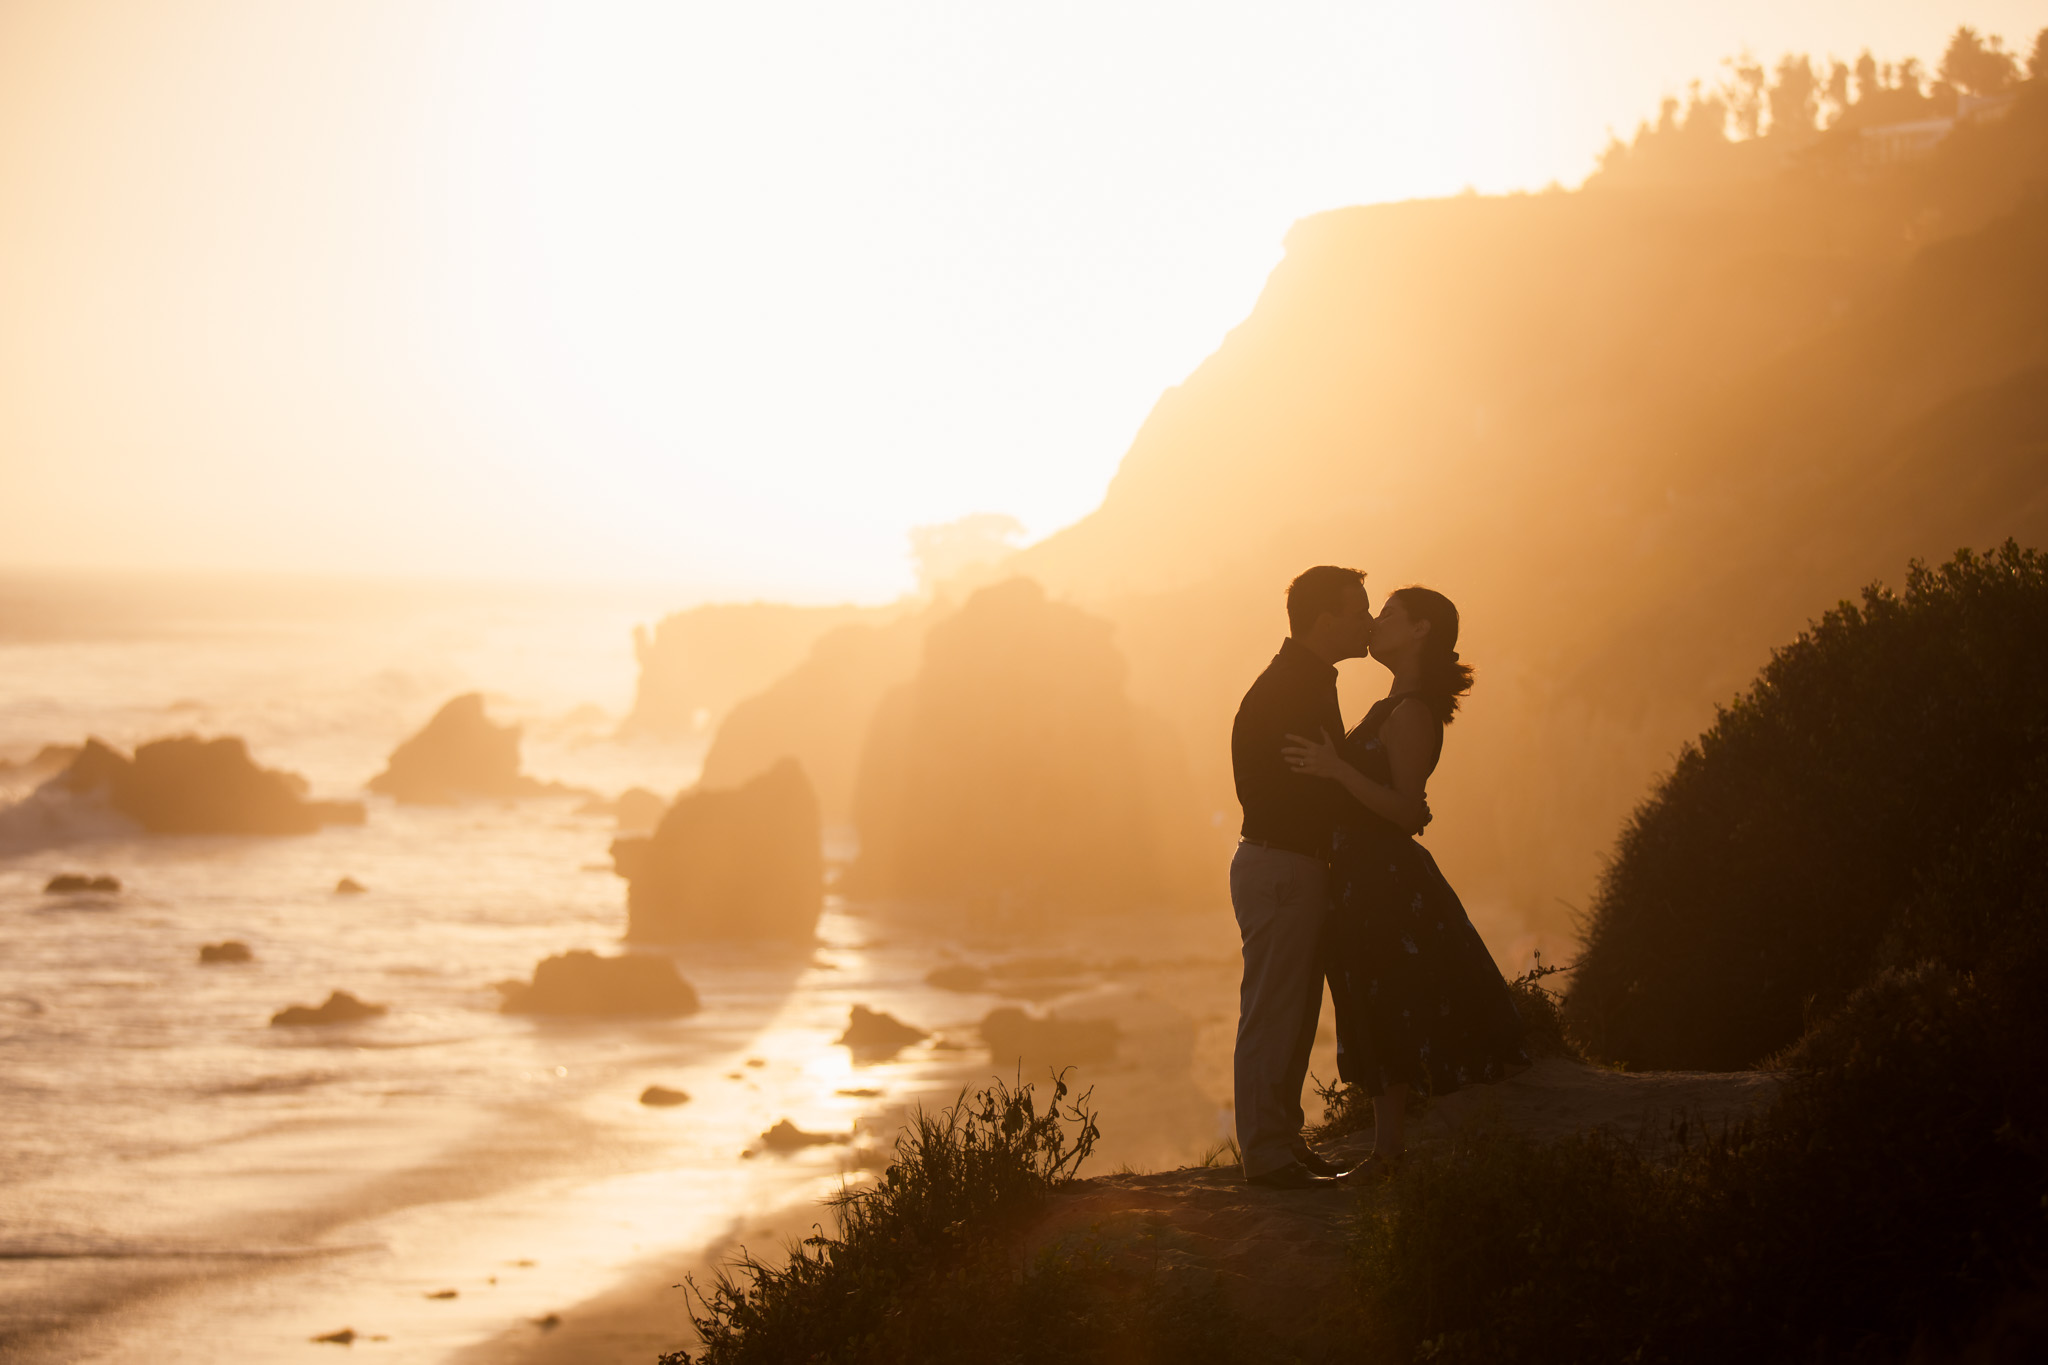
[1256, 764]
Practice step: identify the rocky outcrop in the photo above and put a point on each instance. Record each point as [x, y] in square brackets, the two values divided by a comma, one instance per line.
[340, 1007]
[871, 1034]
[661, 1097]
[819, 712]
[744, 863]
[1013, 1035]
[232, 950]
[583, 983]
[460, 755]
[695, 664]
[787, 1137]
[1014, 773]
[188, 785]
[72, 883]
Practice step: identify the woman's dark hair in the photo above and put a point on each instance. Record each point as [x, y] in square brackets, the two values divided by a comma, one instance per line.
[1444, 678]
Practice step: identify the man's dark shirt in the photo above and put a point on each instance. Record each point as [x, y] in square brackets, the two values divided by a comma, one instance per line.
[1296, 695]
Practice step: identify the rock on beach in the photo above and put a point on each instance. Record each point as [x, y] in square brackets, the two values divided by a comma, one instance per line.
[459, 755]
[871, 1033]
[745, 863]
[339, 1008]
[71, 883]
[1011, 1033]
[189, 785]
[583, 983]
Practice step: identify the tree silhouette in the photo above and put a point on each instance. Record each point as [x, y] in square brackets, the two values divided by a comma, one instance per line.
[1835, 99]
[1745, 93]
[1794, 97]
[1977, 66]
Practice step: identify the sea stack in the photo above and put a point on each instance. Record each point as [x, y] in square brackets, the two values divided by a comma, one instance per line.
[582, 983]
[745, 863]
[1013, 771]
[460, 755]
[188, 785]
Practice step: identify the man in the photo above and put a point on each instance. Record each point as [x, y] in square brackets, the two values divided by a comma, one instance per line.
[1279, 880]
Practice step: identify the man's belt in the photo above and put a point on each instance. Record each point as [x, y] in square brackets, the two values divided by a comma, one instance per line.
[1321, 855]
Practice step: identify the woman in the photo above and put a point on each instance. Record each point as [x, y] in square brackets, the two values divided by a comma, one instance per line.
[1419, 1001]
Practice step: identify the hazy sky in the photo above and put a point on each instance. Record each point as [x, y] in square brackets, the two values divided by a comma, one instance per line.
[722, 295]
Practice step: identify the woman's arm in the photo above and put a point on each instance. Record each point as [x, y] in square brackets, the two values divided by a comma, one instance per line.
[1411, 749]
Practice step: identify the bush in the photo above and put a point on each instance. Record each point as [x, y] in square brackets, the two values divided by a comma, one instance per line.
[927, 1237]
[1891, 1197]
[925, 1268]
[1764, 878]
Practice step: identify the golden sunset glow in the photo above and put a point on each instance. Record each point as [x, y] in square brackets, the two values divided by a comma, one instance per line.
[725, 297]
[914, 683]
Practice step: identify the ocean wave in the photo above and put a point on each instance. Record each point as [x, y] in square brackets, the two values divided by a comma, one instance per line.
[66, 1248]
[274, 1085]
[52, 816]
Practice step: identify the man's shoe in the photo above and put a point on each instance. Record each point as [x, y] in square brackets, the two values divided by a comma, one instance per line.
[1316, 1165]
[1292, 1176]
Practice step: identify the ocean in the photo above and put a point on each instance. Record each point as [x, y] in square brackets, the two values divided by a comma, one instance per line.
[181, 1181]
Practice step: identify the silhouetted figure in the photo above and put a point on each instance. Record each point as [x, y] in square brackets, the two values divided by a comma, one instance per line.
[1420, 1003]
[1279, 878]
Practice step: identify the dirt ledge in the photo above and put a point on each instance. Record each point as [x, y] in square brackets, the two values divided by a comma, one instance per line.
[1280, 1255]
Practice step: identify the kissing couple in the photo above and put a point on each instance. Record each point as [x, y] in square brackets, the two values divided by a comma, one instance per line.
[1329, 883]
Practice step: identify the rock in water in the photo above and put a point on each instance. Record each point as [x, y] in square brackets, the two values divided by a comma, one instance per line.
[661, 1097]
[787, 1137]
[1089, 807]
[871, 1033]
[188, 785]
[340, 1008]
[233, 950]
[583, 983]
[349, 886]
[460, 755]
[1011, 1034]
[70, 883]
[744, 863]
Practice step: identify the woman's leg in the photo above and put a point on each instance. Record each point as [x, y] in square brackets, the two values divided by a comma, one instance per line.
[1388, 1110]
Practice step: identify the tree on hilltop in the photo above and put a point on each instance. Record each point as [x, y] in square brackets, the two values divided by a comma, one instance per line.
[1979, 66]
[1794, 97]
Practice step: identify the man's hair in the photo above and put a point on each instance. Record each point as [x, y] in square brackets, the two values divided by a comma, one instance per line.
[1315, 591]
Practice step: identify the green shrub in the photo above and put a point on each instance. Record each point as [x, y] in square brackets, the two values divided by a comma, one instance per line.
[1764, 878]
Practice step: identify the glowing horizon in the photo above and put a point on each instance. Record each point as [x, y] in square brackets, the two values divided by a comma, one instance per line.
[729, 299]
